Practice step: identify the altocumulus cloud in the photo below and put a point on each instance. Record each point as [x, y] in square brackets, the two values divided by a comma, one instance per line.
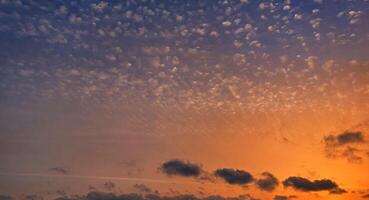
[306, 185]
[234, 176]
[181, 168]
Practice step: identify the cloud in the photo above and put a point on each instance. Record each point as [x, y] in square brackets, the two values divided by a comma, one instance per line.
[337, 191]
[59, 170]
[346, 137]
[94, 195]
[282, 197]
[343, 146]
[268, 182]
[350, 154]
[109, 185]
[5, 197]
[365, 196]
[350, 137]
[142, 188]
[279, 197]
[181, 168]
[306, 185]
[234, 176]
[33, 197]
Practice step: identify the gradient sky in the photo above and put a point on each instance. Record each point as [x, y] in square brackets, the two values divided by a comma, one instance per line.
[97, 96]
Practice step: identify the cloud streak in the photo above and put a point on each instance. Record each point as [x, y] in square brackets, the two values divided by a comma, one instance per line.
[96, 178]
[305, 185]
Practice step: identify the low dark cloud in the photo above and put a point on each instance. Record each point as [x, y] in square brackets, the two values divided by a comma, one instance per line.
[134, 196]
[33, 197]
[234, 176]
[268, 182]
[142, 188]
[100, 196]
[366, 196]
[5, 197]
[283, 197]
[109, 185]
[338, 191]
[181, 168]
[306, 185]
[280, 197]
[59, 170]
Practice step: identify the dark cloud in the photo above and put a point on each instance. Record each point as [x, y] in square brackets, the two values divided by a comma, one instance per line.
[34, 197]
[306, 185]
[365, 196]
[59, 170]
[268, 182]
[243, 197]
[109, 185]
[5, 197]
[110, 196]
[338, 191]
[178, 167]
[346, 137]
[350, 153]
[100, 196]
[142, 188]
[350, 137]
[282, 197]
[234, 176]
[279, 197]
[343, 146]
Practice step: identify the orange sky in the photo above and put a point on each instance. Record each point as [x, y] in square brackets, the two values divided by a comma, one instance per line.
[267, 99]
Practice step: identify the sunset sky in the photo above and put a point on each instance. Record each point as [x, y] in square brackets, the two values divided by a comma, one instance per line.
[184, 99]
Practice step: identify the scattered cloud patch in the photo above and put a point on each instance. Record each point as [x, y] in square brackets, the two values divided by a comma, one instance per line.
[181, 168]
[351, 154]
[268, 183]
[306, 185]
[142, 188]
[5, 197]
[234, 176]
[345, 145]
[94, 195]
[346, 137]
[338, 191]
[109, 185]
[283, 197]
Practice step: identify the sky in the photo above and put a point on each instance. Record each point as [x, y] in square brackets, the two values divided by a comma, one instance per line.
[184, 99]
